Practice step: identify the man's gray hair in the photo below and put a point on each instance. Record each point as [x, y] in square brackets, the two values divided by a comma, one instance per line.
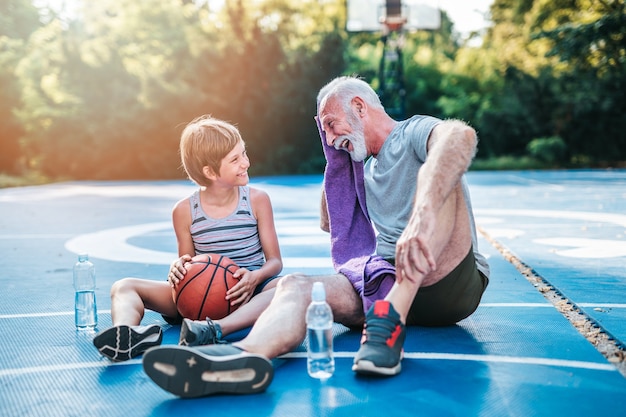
[346, 88]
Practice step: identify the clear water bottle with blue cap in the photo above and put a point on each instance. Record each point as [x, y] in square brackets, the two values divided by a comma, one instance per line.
[319, 321]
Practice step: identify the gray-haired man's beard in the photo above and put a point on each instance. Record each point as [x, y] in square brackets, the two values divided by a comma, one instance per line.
[357, 139]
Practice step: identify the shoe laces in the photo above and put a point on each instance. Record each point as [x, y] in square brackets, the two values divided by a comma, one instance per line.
[211, 334]
[207, 334]
[379, 330]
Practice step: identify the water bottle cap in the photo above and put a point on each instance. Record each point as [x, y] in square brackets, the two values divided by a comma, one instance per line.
[83, 257]
[318, 293]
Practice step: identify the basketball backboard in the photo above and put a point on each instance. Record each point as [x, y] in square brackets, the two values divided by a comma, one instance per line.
[376, 15]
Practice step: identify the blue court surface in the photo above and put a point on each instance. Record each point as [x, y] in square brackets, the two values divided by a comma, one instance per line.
[517, 355]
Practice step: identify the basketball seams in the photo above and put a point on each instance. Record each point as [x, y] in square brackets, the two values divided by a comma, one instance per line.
[203, 293]
[208, 288]
[187, 281]
[225, 272]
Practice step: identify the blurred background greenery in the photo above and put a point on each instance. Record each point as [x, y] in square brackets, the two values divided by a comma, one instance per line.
[102, 91]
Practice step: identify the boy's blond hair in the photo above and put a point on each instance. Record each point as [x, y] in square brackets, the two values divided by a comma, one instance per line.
[205, 141]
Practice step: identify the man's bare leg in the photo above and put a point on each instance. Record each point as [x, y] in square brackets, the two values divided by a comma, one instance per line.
[245, 367]
[282, 326]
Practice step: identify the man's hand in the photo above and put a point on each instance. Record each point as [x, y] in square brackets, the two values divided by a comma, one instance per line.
[414, 257]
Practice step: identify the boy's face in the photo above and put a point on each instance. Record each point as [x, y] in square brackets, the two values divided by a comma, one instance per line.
[234, 166]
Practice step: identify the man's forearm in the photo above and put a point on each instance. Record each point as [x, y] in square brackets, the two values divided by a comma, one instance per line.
[452, 147]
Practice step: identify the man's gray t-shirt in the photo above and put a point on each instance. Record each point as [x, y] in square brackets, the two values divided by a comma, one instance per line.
[391, 180]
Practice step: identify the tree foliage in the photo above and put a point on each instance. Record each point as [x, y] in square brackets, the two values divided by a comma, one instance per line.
[18, 19]
[588, 38]
[103, 90]
[562, 67]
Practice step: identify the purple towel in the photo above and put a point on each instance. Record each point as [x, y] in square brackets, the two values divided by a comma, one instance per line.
[352, 237]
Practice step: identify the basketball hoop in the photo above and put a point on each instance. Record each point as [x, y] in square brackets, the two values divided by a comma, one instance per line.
[394, 23]
[392, 19]
[391, 15]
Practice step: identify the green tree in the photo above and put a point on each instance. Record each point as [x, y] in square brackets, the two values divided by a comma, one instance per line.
[18, 19]
[275, 58]
[431, 55]
[562, 68]
[103, 94]
[107, 91]
[104, 91]
[589, 40]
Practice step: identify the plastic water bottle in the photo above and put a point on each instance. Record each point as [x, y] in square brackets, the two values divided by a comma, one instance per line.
[85, 312]
[319, 321]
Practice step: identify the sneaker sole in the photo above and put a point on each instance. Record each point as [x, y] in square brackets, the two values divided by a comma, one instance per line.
[369, 368]
[121, 343]
[188, 373]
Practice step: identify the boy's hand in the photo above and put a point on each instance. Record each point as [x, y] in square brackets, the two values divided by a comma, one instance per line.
[178, 270]
[243, 291]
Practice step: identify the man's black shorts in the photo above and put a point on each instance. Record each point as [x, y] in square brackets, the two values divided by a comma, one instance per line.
[452, 299]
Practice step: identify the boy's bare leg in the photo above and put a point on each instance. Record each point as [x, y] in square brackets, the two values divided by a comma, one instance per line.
[129, 299]
[131, 296]
[246, 315]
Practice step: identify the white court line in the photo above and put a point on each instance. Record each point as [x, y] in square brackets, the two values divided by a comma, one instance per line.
[52, 314]
[533, 305]
[595, 305]
[500, 305]
[105, 363]
[618, 219]
[531, 181]
[483, 358]
[563, 363]
[35, 236]
[525, 305]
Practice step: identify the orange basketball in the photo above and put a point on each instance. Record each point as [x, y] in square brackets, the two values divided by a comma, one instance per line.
[202, 292]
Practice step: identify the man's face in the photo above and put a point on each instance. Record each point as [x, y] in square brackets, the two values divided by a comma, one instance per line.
[343, 131]
[354, 142]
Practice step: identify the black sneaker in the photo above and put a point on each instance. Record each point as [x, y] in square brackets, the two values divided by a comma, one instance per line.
[197, 332]
[121, 343]
[383, 338]
[200, 371]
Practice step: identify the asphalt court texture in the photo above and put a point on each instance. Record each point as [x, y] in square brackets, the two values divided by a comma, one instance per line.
[516, 356]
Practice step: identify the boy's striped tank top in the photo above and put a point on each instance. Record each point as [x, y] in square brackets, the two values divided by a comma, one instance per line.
[235, 236]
